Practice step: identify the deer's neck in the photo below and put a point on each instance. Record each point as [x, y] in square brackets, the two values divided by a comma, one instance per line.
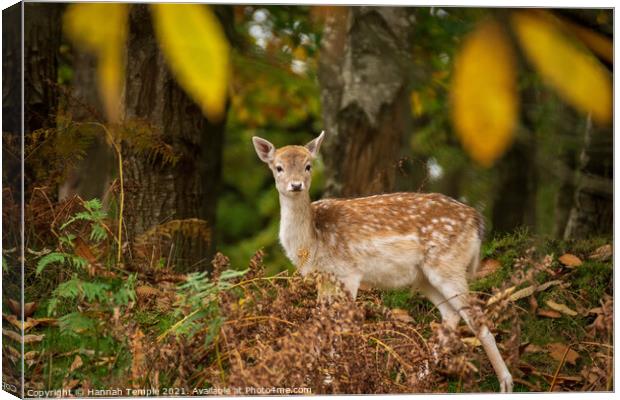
[296, 228]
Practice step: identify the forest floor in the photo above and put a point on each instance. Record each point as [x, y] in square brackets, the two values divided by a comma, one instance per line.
[549, 303]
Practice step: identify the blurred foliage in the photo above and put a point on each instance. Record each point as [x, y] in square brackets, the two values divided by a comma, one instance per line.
[467, 82]
[485, 106]
[484, 96]
[190, 36]
[106, 41]
[568, 67]
[275, 94]
[197, 51]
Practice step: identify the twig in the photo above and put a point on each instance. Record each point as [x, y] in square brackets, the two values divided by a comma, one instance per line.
[557, 371]
[260, 317]
[218, 358]
[390, 350]
[176, 325]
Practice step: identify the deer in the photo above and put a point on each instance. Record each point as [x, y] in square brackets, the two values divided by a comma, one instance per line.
[427, 242]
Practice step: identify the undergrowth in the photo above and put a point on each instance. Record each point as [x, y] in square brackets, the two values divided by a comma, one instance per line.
[96, 324]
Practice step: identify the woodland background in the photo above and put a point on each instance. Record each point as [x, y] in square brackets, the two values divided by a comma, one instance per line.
[139, 169]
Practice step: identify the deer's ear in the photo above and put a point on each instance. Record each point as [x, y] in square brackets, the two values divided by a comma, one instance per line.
[264, 149]
[315, 144]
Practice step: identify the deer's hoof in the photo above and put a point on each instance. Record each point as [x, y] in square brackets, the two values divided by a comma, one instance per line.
[505, 384]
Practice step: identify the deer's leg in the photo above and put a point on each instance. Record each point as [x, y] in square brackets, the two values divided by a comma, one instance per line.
[352, 284]
[455, 291]
[448, 314]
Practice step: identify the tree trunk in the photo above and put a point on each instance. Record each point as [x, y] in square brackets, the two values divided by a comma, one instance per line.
[515, 204]
[12, 246]
[12, 100]
[365, 56]
[157, 192]
[42, 34]
[592, 210]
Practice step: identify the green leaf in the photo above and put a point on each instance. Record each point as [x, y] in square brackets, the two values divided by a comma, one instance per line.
[69, 289]
[93, 205]
[232, 273]
[197, 52]
[76, 261]
[94, 291]
[97, 233]
[74, 323]
[48, 259]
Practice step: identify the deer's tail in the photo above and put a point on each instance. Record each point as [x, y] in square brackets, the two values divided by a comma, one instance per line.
[475, 261]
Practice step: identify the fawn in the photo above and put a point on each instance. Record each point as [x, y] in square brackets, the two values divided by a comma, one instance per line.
[428, 242]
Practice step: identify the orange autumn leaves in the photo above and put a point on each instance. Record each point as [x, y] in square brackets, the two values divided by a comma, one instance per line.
[191, 39]
[485, 102]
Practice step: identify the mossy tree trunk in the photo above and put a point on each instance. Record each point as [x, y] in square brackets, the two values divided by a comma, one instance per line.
[363, 74]
[157, 192]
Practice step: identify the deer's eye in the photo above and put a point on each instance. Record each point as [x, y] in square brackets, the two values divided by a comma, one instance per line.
[308, 168]
[279, 168]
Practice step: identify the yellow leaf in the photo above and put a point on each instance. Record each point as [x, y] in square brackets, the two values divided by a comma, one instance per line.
[471, 341]
[101, 28]
[570, 69]
[559, 352]
[77, 363]
[563, 308]
[197, 53]
[570, 260]
[484, 94]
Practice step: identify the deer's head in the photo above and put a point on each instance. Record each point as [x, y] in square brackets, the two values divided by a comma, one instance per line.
[291, 165]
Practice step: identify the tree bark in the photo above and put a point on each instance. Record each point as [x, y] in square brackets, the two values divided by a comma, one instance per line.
[517, 188]
[592, 210]
[364, 92]
[157, 192]
[515, 204]
[12, 98]
[12, 276]
[42, 34]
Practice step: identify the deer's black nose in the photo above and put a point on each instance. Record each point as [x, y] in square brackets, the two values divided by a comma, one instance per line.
[296, 187]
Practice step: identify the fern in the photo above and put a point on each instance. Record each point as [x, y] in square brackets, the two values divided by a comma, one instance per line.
[94, 291]
[66, 240]
[69, 289]
[200, 294]
[76, 323]
[76, 261]
[78, 290]
[94, 214]
[60, 258]
[97, 234]
[51, 258]
[93, 205]
[127, 291]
